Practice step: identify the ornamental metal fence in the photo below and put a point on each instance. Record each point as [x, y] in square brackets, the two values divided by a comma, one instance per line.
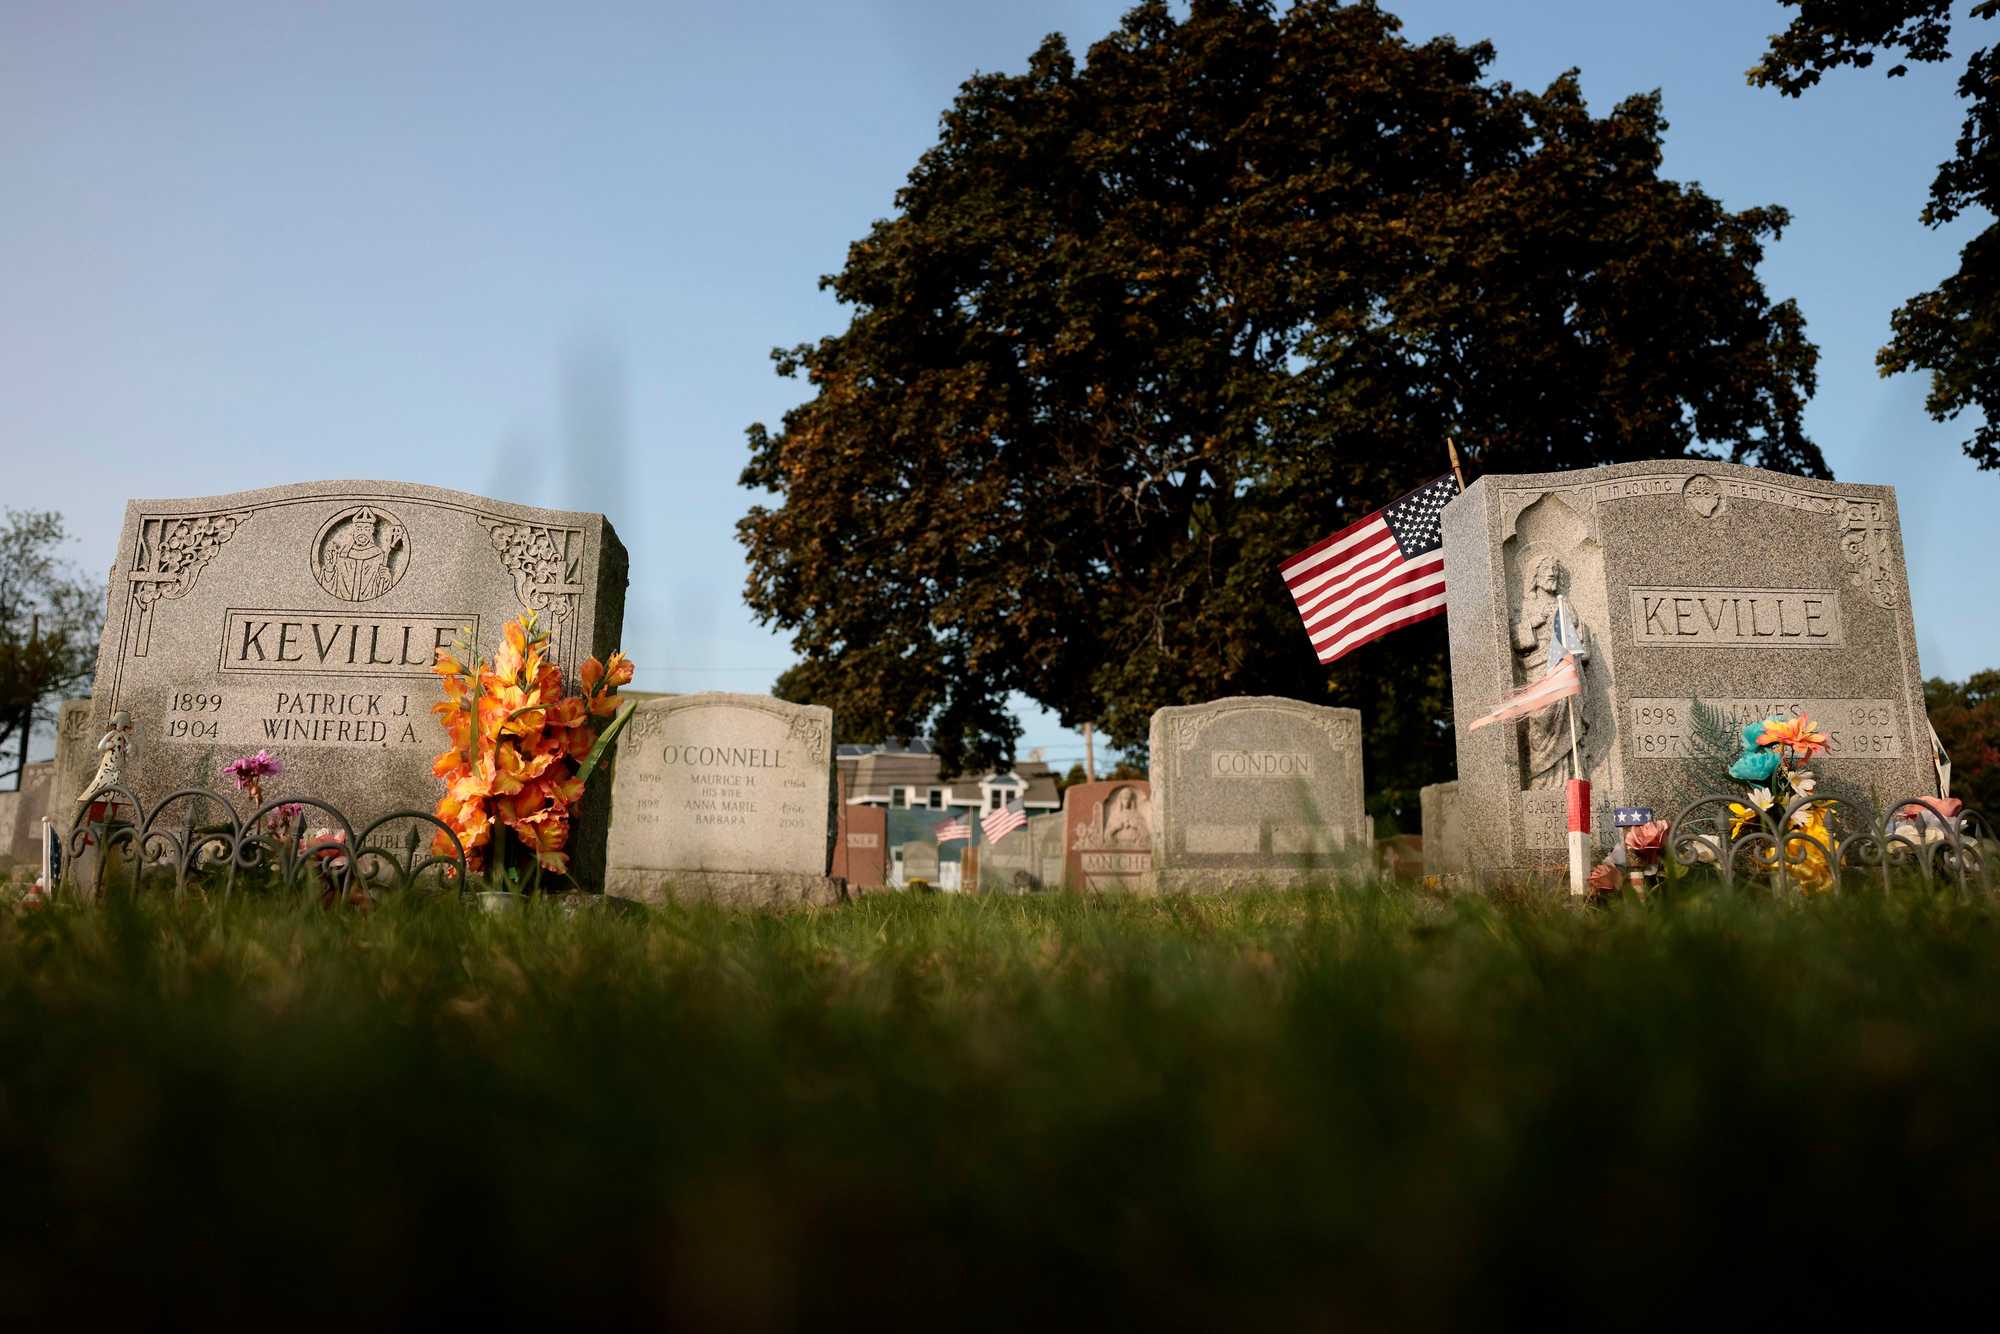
[197, 836]
[1828, 843]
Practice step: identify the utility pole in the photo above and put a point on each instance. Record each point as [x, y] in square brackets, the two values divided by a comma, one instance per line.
[1089, 755]
[28, 709]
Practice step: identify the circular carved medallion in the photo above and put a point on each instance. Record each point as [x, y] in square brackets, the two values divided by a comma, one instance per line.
[1703, 495]
[360, 553]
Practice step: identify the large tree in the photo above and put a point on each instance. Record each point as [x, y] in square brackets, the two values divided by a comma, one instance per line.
[50, 618]
[1953, 330]
[1966, 715]
[1142, 327]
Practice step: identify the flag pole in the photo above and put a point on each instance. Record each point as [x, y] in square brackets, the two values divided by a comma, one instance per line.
[1579, 810]
[1451, 448]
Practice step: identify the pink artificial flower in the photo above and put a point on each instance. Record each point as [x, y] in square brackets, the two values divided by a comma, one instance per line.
[249, 771]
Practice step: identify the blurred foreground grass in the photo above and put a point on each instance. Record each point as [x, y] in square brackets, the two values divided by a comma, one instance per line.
[1299, 1111]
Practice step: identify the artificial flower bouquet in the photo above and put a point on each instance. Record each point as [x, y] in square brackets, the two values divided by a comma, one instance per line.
[521, 749]
[1781, 789]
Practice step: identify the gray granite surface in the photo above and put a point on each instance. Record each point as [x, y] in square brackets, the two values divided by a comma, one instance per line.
[1256, 790]
[1750, 591]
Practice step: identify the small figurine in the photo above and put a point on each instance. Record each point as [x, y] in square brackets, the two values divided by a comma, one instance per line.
[111, 762]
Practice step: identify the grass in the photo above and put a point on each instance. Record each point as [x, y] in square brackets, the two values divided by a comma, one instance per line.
[1373, 1109]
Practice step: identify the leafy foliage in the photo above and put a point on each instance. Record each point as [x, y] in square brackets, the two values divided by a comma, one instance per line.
[1953, 330]
[1142, 327]
[50, 621]
[1966, 715]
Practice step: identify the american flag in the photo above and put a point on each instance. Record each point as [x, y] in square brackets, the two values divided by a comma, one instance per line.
[996, 825]
[952, 829]
[1373, 576]
[1563, 681]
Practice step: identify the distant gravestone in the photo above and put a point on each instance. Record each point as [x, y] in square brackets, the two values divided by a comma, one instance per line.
[304, 620]
[1046, 832]
[860, 851]
[1008, 866]
[1256, 790]
[1108, 836]
[24, 824]
[75, 762]
[920, 862]
[1444, 836]
[726, 798]
[1753, 592]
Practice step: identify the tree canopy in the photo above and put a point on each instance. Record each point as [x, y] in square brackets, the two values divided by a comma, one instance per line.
[1953, 330]
[1142, 326]
[1966, 715]
[50, 620]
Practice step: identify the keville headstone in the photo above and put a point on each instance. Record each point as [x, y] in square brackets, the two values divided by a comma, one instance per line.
[305, 619]
[725, 798]
[1753, 592]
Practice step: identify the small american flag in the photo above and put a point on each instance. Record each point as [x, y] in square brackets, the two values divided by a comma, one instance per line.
[996, 825]
[1373, 576]
[1561, 683]
[952, 829]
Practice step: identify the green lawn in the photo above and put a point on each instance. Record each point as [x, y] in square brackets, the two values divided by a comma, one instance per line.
[1372, 1109]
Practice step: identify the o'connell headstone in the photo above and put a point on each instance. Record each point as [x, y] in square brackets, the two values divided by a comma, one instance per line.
[1753, 592]
[1253, 791]
[727, 798]
[304, 620]
[1108, 836]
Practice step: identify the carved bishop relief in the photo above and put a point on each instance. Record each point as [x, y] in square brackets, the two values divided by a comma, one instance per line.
[172, 551]
[360, 553]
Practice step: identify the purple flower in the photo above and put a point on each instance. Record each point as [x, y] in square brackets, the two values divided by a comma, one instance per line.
[248, 771]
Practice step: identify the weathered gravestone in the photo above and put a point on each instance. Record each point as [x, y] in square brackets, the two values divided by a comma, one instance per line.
[1046, 832]
[920, 862]
[24, 822]
[1444, 835]
[1754, 592]
[860, 855]
[1008, 866]
[75, 762]
[1108, 836]
[1256, 790]
[727, 798]
[304, 620]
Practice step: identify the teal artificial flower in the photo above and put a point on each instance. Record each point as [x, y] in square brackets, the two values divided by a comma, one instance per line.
[1755, 766]
[1751, 731]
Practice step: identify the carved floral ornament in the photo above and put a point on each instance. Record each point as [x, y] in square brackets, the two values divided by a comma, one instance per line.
[175, 549]
[1863, 525]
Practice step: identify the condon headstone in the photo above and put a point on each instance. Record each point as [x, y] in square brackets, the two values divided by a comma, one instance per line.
[1108, 836]
[304, 620]
[1754, 592]
[1256, 790]
[726, 798]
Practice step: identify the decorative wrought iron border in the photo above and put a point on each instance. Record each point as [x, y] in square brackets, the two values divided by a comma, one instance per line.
[301, 842]
[1772, 848]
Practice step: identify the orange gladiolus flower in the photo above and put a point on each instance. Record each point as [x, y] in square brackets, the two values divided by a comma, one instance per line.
[516, 743]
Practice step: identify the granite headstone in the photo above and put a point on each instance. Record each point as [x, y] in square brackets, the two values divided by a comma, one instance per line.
[304, 620]
[1753, 592]
[76, 760]
[726, 798]
[1256, 790]
[920, 862]
[1047, 833]
[1444, 836]
[1108, 836]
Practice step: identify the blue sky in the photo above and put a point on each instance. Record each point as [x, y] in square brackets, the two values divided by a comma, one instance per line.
[251, 243]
